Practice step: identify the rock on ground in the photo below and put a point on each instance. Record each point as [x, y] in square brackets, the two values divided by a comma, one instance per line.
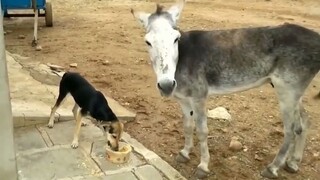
[219, 113]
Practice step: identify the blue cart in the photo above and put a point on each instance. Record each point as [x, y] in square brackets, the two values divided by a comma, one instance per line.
[36, 5]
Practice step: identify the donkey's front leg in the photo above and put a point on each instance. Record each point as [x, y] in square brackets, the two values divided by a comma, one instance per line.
[200, 116]
[188, 127]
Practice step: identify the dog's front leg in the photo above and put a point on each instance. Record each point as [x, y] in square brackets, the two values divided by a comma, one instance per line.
[75, 141]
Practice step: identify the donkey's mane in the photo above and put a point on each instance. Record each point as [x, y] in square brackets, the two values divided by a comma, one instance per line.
[159, 10]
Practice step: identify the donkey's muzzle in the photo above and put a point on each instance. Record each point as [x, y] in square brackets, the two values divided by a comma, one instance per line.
[166, 86]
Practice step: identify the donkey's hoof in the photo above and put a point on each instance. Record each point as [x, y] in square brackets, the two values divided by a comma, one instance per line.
[200, 173]
[291, 167]
[268, 173]
[181, 158]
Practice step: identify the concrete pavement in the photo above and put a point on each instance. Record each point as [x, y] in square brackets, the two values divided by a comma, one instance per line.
[44, 153]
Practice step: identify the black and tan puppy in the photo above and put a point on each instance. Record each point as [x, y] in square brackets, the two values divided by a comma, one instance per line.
[88, 101]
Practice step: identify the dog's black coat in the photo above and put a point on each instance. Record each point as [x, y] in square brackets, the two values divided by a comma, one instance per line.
[91, 101]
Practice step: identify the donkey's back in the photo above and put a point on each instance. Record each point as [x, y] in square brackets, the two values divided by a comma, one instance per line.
[240, 59]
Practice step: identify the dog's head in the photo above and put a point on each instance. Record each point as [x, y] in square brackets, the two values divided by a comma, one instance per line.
[114, 134]
[113, 131]
[107, 121]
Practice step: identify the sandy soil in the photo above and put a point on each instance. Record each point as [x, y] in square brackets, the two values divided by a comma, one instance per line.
[105, 41]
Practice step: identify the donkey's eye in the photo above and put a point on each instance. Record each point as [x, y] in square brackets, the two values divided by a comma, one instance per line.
[176, 40]
[148, 43]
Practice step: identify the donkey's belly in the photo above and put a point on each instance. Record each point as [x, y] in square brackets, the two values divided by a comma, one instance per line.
[237, 87]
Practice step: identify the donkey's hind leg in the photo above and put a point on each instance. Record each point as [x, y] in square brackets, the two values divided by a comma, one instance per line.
[188, 126]
[295, 156]
[289, 97]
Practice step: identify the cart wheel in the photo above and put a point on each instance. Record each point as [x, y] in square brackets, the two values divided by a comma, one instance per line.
[49, 17]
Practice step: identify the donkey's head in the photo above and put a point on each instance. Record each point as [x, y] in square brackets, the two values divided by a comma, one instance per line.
[162, 38]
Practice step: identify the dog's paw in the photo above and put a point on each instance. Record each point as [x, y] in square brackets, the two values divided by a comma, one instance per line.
[74, 144]
[50, 125]
[84, 123]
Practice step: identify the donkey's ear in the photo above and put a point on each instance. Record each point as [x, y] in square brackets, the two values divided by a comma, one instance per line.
[142, 17]
[176, 9]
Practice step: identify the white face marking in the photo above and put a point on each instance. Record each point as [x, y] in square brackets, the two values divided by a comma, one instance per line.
[162, 42]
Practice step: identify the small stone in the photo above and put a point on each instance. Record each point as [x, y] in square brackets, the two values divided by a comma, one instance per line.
[38, 48]
[235, 145]
[219, 113]
[316, 154]
[21, 36]
[233, 158]
[257, 157]
[106, 62]
[245, 148]
[225, 130]
[55, 67]
[74, 65]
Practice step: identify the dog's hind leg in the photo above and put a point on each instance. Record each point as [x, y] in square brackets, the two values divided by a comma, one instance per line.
[75, 141]
[74, 111]
[54, 109]
[51, 119]
[62, 94]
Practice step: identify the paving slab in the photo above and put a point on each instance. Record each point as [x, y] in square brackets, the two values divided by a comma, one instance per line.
[122, 176]
[57, 163]
[27, 138]
[62, 133]
[147, 172]
[89, 177]
[19, 119]
[153, 159]
[99, 155]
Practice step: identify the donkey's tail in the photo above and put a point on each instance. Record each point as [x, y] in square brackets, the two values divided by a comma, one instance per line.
[317, 96]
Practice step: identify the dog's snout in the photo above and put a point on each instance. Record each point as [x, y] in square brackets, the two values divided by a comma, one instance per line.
[115, 148]
[166, 86]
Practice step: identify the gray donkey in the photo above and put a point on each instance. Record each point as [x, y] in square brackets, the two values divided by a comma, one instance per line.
[192, 65]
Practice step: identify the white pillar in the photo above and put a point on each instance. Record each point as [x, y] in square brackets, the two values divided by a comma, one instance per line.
[8, 166]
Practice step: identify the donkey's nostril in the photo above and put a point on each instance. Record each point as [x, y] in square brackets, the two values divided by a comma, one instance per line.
[159, 86]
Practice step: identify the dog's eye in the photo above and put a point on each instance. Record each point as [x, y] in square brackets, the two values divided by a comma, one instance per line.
[114, 136]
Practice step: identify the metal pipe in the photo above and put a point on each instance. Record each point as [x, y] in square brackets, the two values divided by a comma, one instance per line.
[8, 165]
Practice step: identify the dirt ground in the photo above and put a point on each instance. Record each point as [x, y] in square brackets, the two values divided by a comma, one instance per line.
[105, 41]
